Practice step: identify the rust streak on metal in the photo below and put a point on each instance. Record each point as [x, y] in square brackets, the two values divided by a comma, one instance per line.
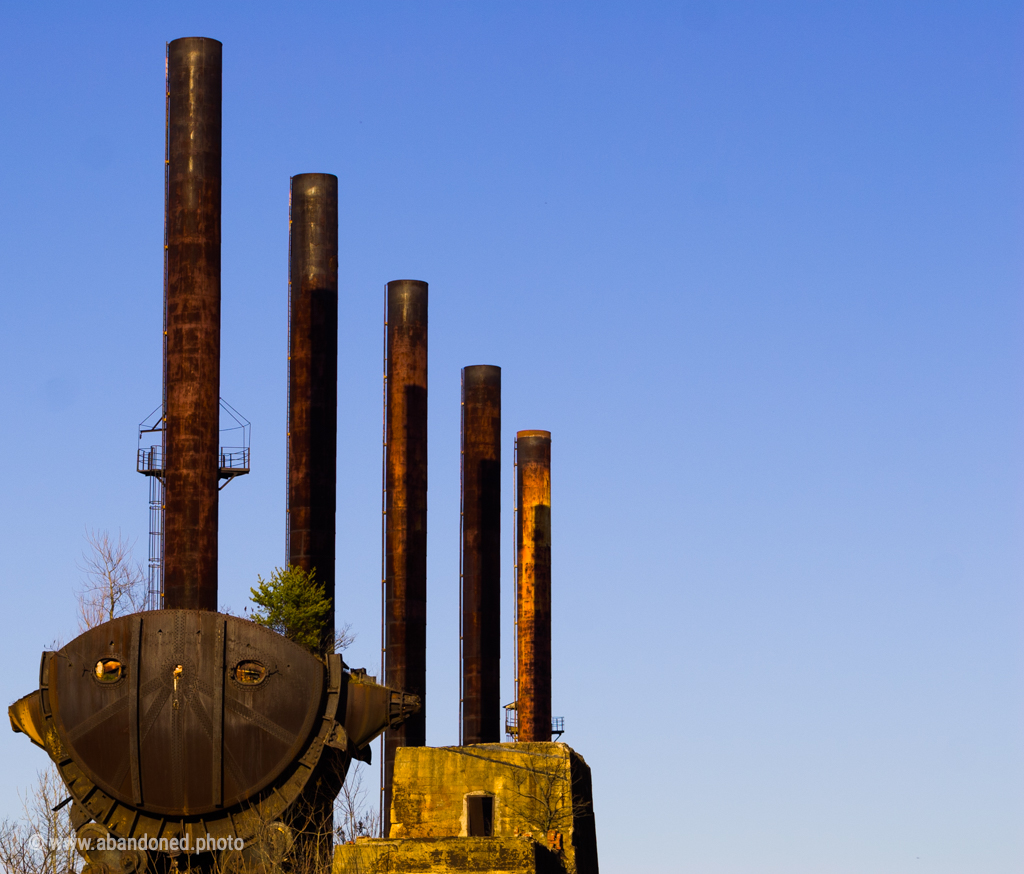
[533, 536]
[406, 511]
[481, 554]
[192, 301]
[313, 380]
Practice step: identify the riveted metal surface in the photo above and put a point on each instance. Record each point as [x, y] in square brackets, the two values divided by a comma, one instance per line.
[367, 707]
[313, 775]
[192, 301]
[406, 510]
[481, 554]
[313, 379]
[203, 739]
[533, 558]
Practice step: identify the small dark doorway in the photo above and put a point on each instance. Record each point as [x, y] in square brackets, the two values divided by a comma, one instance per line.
[480, 816]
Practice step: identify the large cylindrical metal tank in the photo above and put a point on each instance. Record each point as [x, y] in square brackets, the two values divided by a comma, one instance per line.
[193, 725]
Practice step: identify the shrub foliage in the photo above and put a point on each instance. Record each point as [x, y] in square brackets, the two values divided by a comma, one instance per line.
[292, 603]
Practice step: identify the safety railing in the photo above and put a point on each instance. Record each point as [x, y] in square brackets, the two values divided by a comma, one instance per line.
[512, 722]
[150, 461]
[234, 460]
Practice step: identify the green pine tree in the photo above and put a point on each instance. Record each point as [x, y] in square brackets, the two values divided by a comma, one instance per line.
[292, 603]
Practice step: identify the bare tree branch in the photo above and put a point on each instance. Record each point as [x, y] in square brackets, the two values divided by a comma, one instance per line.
[42, 840]
[354, 817]
[344, 638]
[113, 582]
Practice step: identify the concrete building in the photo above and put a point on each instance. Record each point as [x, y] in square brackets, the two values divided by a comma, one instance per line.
[516, 808]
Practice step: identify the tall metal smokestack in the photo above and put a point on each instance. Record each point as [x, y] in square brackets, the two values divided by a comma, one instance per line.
[192, 318]
[533, 588]
[405, 483]
[481, 554]
[313, 379]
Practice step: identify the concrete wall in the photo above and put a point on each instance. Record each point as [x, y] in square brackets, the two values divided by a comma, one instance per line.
[443, 855]
[541, 791]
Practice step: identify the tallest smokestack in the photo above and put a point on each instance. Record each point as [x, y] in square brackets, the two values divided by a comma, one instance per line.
[192, 322]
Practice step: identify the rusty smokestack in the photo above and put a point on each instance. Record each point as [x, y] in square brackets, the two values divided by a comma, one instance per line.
[405, 482]
[313, 379]
[481, 554]
[533, 588]
[192, 319]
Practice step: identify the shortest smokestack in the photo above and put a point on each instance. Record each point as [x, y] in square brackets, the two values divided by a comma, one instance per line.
[533, 588]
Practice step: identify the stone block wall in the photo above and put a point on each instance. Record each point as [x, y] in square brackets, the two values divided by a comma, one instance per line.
[541, 791]
[444, 855]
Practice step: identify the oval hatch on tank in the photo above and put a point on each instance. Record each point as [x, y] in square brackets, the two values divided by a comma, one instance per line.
[108, 670]
[250, 673]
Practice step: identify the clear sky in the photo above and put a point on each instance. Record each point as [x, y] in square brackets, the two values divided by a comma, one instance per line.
[757, 266]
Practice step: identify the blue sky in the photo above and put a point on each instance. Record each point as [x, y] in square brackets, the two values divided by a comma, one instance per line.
[757, 266]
